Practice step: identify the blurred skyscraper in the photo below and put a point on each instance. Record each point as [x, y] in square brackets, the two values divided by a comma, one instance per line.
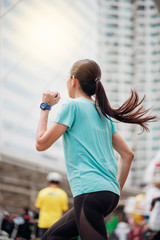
[130, 58]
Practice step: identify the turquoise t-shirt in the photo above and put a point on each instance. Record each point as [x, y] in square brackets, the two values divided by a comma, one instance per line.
[90, 160]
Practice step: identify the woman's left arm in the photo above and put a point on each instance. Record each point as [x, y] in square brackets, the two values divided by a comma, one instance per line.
[46, 137]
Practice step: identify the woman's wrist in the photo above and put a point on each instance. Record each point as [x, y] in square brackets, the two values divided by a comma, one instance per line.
[45, 106]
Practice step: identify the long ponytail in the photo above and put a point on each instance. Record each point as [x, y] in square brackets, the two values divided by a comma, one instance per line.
[131, 111]
[88, 74]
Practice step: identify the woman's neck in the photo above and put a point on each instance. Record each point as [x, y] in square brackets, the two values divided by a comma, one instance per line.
[81, 94]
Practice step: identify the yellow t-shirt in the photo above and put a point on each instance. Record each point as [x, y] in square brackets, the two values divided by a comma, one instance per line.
[51, 202]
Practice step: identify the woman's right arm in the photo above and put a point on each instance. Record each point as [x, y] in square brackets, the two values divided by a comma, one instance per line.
[47, 136]
[126, 158]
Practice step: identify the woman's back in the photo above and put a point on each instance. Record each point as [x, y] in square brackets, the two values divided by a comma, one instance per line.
[88, 147]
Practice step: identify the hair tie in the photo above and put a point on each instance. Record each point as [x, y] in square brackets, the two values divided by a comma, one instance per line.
[97, 79]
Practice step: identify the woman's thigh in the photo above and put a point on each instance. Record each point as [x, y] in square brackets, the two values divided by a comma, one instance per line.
[64, 229]
[90, 210]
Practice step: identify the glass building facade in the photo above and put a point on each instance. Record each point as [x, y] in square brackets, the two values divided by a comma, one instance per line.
[130, 59]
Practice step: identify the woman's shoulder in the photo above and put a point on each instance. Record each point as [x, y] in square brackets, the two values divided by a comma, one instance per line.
[73, 102]
[68, 105]
[69, 102]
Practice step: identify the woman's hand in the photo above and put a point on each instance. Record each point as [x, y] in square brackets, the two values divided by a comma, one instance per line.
[51, 98]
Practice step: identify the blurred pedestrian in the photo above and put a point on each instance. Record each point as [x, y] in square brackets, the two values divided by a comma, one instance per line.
[89, 136]
[111, 224]
[122, 230]
[26, 228]
[7, 224]
[154, 200]
[52, 203]
[154, 220]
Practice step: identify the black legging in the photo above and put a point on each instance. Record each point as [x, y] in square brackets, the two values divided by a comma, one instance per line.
[86, 218]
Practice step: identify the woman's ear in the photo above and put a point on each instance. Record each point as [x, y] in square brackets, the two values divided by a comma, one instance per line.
[74, 81]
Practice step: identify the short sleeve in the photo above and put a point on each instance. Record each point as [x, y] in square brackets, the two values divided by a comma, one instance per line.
[38, 201]
[66, 114]
[113, 125]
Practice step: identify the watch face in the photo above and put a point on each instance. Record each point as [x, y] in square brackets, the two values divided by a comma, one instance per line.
[43, 105]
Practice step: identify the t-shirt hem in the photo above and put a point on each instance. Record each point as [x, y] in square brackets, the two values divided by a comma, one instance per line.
[63, 123]
[98, 190]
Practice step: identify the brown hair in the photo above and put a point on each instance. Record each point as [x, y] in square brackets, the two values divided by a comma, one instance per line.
[88, 74]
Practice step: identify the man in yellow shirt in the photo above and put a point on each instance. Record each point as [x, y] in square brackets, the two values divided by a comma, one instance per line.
[52, 203]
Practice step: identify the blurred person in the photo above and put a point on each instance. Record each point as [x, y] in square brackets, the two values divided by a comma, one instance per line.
[7, 224]
[154, 225]
[52, 203]
[122, 230]
[154, 200]
[25, 229]
[135, 232]
[111, 224]
[89, 137]
[35, 223]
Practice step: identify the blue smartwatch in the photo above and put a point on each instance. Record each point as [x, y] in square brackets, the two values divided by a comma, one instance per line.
[45, 106]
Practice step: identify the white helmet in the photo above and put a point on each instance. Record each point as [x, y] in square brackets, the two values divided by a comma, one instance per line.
[54, 176]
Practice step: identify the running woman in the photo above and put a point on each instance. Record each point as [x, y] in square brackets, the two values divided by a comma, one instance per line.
[87, 123]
